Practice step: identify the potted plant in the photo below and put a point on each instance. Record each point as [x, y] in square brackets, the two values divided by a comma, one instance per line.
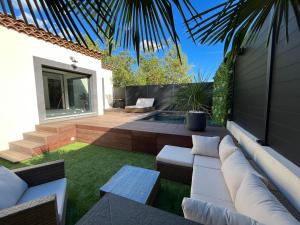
[194, 100]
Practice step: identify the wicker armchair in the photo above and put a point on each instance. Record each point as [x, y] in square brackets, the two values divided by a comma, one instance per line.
[41, 211]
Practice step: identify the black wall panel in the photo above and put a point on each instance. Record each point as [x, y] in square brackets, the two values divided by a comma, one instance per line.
[132, 93]
[163, 94]
[284, 126]
[249, 86]
[250, 102]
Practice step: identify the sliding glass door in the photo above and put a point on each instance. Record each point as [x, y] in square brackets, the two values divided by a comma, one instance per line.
[66, 93]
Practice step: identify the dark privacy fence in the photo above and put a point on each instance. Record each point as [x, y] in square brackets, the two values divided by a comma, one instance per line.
[163, 94]
[266, 98]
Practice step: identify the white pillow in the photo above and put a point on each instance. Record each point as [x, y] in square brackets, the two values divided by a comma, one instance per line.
[234, 169]
[209, 214]
[255, 200]
[207, 146]
[12, 188]
[226, 147]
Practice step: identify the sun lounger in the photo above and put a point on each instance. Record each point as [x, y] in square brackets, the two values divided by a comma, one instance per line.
[142, 105]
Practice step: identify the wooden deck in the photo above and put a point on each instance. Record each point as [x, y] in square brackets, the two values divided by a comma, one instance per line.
[115, 129]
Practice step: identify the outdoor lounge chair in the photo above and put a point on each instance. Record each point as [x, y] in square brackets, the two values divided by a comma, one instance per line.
[142, 105]
[33, 195]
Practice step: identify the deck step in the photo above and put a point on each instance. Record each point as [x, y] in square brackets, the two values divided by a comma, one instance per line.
[43, 137]
[14, 156]
[28, 147]
[54, 127]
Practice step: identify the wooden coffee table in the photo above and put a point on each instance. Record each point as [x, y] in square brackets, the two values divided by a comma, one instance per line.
[135, 183]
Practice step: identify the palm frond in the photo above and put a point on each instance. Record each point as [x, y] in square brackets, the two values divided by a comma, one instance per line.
[236, 22]
[140, 25]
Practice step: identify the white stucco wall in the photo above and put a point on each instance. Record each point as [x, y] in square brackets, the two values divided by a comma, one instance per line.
[18, 98]
[108, 88]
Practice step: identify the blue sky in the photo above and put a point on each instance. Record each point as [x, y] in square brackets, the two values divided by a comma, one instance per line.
[205, 58]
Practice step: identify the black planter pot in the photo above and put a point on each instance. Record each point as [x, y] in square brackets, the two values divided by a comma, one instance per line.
[196, 121]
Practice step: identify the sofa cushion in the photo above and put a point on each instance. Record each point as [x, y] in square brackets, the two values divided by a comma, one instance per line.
[207, 146]
[226, 147]
[57, 187]
[176, 155]
[255, 200]
[145, 102]
[209, 162]
[234, 169]
[210, 214]
[135, 107]
[214, 201]
[12, 188]
[209, 182]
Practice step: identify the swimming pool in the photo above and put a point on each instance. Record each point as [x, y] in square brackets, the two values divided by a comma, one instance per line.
[166, 117]
[172, 117]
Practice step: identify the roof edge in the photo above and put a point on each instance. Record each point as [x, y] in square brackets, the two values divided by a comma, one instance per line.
[30, 30]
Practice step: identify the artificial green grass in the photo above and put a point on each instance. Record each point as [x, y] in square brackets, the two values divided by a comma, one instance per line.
[88, 167]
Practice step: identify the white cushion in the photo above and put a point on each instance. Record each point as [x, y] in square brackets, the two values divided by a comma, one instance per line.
[12, 188]
[209, 214]
[209, 182]
[255, 200]
[209, 162]
[226, 147]
[234, 169]
[281, 171]
[145, 102]
[135, 107]
[176, 155]
[214, 201]
[57, 187]
[207, 146]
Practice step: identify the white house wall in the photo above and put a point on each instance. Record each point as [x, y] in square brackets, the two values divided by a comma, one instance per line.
[108, 88]
[18, 98]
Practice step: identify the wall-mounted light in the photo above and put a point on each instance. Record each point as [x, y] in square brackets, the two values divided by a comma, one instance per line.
[73, 59]
[73, 64]
[242, 51]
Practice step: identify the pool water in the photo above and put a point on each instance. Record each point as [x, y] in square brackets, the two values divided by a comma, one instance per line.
[166, 117]
[171, 117]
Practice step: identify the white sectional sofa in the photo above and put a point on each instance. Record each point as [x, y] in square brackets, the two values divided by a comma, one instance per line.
[225, 189]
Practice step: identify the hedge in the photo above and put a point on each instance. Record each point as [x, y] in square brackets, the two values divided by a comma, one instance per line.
[222, 94]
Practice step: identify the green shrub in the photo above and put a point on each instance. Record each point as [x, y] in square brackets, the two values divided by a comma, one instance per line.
[222, 94]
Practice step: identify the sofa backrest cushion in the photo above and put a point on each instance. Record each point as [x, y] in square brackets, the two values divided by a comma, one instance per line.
[226, 147]
[234, 169]
[12, 188]
[209, 214]
[255, 200]
[145, 102]
[207, 146]
[284, 174]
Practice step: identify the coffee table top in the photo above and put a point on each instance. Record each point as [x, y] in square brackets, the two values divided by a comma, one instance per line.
[116, 210]
[132, 182]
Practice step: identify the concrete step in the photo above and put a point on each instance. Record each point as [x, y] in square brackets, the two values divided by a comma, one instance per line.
[14, 156]
[43, 137]
[28, 147]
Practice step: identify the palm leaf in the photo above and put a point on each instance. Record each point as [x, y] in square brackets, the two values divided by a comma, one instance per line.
[126, 23]
[237, 22]
[143, 25]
